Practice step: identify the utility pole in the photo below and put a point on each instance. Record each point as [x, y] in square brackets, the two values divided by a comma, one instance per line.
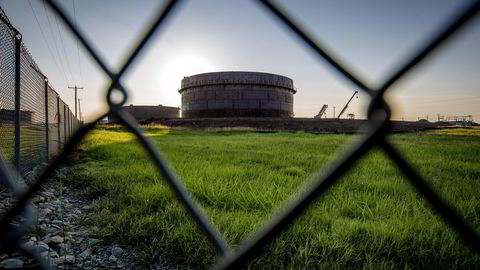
[75, 97]
[79, 110]
[333, 111]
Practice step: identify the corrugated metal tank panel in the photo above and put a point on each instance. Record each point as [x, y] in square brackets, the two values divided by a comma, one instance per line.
[237, 94]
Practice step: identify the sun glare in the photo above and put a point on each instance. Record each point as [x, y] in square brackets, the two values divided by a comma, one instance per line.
[173, 71]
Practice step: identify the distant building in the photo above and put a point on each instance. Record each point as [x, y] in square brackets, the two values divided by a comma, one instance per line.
[9, 116]
[143, 113]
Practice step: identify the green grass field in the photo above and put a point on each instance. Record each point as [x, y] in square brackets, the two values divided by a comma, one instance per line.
[371, 219]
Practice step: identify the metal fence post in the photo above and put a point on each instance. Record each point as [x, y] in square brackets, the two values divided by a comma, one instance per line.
[59, 122]
[69, 124]
[69, 127]
[64, 124]
[46, 115]
[18, 44]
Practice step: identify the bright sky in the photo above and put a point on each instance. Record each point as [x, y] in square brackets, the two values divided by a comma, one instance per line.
[372, 37]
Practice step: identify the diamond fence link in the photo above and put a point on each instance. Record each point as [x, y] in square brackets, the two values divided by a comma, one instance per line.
[53, 127]
[7, 90]
[62, 127]
[37, 120]
[378, 128]
[32, 114]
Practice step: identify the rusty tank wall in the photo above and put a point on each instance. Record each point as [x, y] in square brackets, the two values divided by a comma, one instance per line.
[237, 94]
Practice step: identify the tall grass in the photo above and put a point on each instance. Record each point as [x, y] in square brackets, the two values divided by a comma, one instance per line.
[371, 219]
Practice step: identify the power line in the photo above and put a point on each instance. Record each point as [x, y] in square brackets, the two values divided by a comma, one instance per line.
[45, 40]
[63, 46]
[78, 50]
[450, 100]
[55, 43]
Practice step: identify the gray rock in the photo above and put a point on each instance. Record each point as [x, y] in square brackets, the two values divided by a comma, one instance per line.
[58, 228]
[36, 246]
[58, 222]
[57, 239]
[11, 263]
[48, 194]
[117, 251]
[54, 254]
[92, 241]
[87, 265]
[41, 246]
[28, 244]
[45, 254]
[87, 252]
[50, 229]
[67, 259]
[65, 248]
[61, 238]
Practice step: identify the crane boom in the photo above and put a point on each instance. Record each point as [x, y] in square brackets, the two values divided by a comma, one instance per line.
[322, 111]
[346, 105]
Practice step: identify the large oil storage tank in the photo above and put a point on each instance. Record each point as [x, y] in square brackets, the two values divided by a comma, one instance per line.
[237, 94]
[143, 113]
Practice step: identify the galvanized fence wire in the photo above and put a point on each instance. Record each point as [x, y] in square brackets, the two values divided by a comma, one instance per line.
[29, 120]
[52, 125]
[378, 129]
[32, 114]
[27, 104]
[7, 93]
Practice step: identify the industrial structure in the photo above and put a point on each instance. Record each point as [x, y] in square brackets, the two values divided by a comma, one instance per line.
[9, 116]
[237, 94]
[142, 113]
[322, 112]
[350, 115]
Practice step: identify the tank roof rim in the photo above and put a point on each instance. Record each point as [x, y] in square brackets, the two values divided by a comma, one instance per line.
[153, 106]
[238, 71]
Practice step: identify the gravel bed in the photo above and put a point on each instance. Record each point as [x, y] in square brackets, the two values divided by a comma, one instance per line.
[59, 235]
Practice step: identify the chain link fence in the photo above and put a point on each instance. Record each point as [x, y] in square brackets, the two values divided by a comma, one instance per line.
[7, 89]
[29, 113]
[377, 126]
